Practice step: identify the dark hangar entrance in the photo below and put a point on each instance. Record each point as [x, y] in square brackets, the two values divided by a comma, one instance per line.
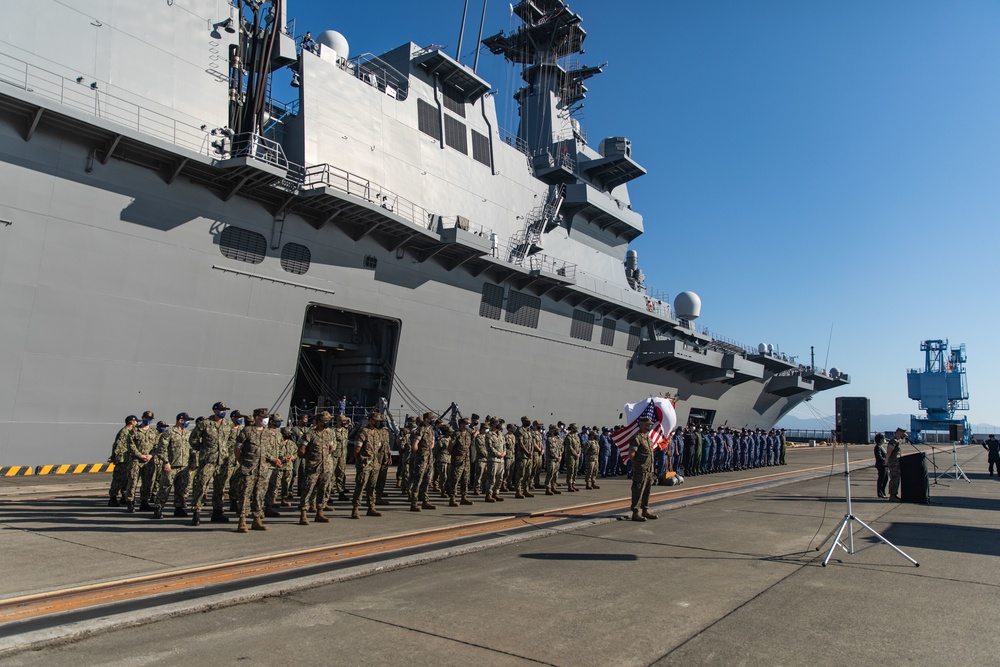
[344, 353]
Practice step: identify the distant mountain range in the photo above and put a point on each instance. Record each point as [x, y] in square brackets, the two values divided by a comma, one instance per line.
[878, 423]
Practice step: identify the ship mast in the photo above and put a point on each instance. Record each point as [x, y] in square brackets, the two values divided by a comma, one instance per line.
[549, 33]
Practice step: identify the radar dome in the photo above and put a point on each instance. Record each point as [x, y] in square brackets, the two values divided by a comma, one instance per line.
[762, 348]
[834, 372]
[334, 41]
[687, 305]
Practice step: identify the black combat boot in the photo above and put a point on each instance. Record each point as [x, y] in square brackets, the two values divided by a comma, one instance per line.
[131, 508]
[157, 512]
[180, 511]
[218, 517]
[145, 506]
[113, 501]
[196, 518]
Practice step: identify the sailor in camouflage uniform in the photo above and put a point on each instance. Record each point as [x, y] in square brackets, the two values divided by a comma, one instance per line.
[338, 478]
[141, 467]
[496, 450]
[256, 446]
[403, 439]
[478, 459]
[286, 452]
[510, 444]
[229, 470]
[571, 451]
[553, 455]
[459, 448]
[640, 452]
[315, 451]
[368, 455]
[420, 464]
[442, 460]
[536, 457]
[522, 453]
[172, 454]
[211, 442]
[591, 457]
[119, 458]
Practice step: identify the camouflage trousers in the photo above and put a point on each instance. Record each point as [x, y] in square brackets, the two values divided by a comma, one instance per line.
[458, 478]
[141, 475]
[420, 477]
[271, 496]
[210, 474]
[381, 478]
[440, 474]
[551, 474]
[179, 479]
[893, 469]
[522, 475]
[119, 479]
[590, 470]
[642, 482]
[254, 486]
[314, 485]
[403, 467]
[537, 466]
[338, 480]
[478, 473]
[494, 477]
[365, 479]
[508, 473]
[572, 465]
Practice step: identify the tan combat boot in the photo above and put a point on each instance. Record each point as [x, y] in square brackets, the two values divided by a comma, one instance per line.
[354, 513]
[528, 494]
[464, 501]
[414, 507]
[303, 520]
[452, 502]
[427, 506]
[646, 514]
[257, 524]
[320, 518]
[636, 516]
[242, 528]
[594, 486]
[372, 511]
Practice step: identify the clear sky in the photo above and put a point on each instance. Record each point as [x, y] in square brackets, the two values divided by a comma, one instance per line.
[812, 166]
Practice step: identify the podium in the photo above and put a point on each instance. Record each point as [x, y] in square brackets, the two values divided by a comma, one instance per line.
[914, 482]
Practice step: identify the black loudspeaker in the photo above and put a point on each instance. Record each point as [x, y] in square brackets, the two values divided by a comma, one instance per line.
[853, 420]
[956, 432]
[914, 482]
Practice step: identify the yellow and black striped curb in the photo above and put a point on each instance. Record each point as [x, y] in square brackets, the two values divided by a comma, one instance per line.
[64, 469]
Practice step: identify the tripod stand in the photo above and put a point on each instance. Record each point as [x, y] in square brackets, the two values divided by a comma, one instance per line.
[958, 472]
[848, 524]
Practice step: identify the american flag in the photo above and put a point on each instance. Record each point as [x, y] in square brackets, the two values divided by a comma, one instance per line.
[658, 411]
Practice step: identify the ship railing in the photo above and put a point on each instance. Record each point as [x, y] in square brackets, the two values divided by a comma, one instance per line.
[452, 221]
[90, 97]
[548, 264]
[513, 140]
[378, 74]
[326, 175]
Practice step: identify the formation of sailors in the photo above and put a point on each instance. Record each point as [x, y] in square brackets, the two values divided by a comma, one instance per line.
[702, 450]
[266, 464]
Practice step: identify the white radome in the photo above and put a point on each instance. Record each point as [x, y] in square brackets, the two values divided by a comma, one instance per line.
[334, 41]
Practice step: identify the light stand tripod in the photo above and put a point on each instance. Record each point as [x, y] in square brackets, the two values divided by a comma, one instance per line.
[958, 472]
[848, 524]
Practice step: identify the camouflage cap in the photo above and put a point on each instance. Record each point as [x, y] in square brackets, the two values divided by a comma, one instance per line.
[260, 412]
[325, 417]
[475, 417]
[510, 427]
[525, 420]
[148, 415]
[161, 424]
[445, 429]
[276, 417]
[572, 427]
[553, 428]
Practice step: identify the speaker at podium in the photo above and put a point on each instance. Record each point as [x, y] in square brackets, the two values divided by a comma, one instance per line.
[914, 482]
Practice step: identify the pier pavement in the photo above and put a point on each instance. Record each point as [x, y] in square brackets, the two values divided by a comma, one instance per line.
[729, 574]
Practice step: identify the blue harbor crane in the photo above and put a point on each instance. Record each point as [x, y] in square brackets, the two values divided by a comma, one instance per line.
[941, 390]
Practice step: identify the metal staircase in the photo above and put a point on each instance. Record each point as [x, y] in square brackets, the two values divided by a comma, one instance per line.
[541, 218]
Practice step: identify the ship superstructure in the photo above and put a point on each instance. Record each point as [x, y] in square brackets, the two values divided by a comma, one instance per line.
[172, 235]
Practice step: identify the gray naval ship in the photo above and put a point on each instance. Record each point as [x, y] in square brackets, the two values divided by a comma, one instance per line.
[172, 235]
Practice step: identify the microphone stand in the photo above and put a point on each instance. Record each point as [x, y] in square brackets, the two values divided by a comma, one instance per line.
[848, 524]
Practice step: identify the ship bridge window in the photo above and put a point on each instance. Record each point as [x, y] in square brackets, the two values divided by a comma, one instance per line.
[427, 119]
[582, 326]
[523, 309]
[608, 332]
[491, 304]
[242, 245]
[455, 136]
[633, 338]
[371, 262]
[454, 99]
[480, 148]
[295, 258]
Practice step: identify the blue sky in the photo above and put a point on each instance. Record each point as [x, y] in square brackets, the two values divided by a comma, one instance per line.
[811, 165]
